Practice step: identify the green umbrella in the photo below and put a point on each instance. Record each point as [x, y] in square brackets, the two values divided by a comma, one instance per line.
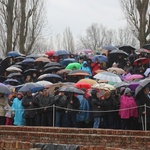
[74, 66]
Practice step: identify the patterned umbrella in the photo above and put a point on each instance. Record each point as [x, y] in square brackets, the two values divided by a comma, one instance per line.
[108, 76]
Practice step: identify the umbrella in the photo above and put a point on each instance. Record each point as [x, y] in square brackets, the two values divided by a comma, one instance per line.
[63, 71]
[110, 47]
[33, 56]
[12, 75]
[34, 87]
[30, 72]
[4, 89]
[118, 52]
[147, 46]
[13, 54]
[19, 58]
[84, 51]
[116, 70]
[50, 77]
[13, 69]
[11, 82]
[44, 83]
[142, 60]
[74, 66]
[142, 50]
[81, 85]
[67, 61]
[90, 81]
[133, 77]
[50, 52]
[147, 72]
[60, 52]
[133, 85]
[108, 76]
[121, 84]
[104, 86]
[99, 71]
[99, 58]
[27, 61]
[71, 89]
[142, 84]
[127, 48]
[50, 69]
[42, 59]
[52, 64]
[78, 73]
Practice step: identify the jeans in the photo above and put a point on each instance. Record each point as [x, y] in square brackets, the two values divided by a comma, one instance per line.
[96, 122]
[60, 119]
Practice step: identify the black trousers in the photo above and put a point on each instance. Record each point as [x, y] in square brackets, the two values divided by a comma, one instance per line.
[47, 118]
[2, 120]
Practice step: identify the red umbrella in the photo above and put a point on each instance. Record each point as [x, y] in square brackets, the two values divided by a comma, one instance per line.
[133, 77]
[142, 60]
[81, 85]
[50, 53]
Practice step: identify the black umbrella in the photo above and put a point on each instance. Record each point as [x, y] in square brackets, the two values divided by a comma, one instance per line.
[110, 47]
[52, 64]
[30, 72]
[127, 48]
[142, 85]
[50, 69]
[115, 53]
[11, 82]
[12, 75]
[34, 56]
[71, 89]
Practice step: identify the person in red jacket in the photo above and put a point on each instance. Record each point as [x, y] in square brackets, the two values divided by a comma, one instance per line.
[95, 66]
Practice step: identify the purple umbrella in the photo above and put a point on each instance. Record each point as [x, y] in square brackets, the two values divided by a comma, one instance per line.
[133, 85]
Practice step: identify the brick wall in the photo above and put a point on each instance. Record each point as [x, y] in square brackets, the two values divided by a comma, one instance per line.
[21, 138]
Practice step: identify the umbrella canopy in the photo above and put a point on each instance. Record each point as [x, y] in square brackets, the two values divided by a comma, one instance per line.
[133, 85]
[74, 66]
[33, 56]
[99, 71]
[52, 64]
[13, 54]
[30, 72]
[13, 69]
[19, 58]
[90, 81]
[133, 77]
[67, 61]
[50, 53]
[109, 47]
[143, 83]
[142, 60]
[147, 72]
[4, 89]
[84, 51]
[142, 50]
[81, 85]
[42, 59]
[27, 61]
[121, 84]
[71, 89]
[44, 83]
[78, 73]
[12, 75]
[60, 52]
[115, 53]
[34, 87]
[63, 71]
[99, 58]
[11, 82]
[51, 69]
[108, 76]
[50, 77]
[127, 48]
[116, 70]
[146, 46]
[104, 86]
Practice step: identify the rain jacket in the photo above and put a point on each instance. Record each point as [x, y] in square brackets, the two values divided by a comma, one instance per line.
[19, 112]
[84, 105]
[87, 68]
[125, 103]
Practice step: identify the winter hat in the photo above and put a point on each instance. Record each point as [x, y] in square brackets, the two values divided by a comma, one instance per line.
[19, 93]
[127, 90]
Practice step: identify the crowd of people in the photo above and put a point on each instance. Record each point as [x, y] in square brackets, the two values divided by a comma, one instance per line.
[96, 108]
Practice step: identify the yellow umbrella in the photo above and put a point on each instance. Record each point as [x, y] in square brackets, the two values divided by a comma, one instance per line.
[90, 81]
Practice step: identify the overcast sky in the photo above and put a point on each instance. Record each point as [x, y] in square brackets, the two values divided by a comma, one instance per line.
[80, 14]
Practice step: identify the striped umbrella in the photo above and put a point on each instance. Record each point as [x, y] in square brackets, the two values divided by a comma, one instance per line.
[108, 76]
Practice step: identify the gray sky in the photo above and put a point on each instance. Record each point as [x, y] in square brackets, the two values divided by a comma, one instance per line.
[80, 14]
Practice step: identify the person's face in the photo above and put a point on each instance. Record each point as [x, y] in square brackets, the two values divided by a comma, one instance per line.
[147, 90]
[45, 93]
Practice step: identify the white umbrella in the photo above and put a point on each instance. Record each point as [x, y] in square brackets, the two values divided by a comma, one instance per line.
[44, 83]
[108, 76]
[12, 68]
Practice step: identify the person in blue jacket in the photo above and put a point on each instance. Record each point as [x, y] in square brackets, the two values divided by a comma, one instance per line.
[18, 109]
[86, 68]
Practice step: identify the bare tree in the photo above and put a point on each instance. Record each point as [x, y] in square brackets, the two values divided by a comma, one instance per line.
[138, 16]
[68, 41]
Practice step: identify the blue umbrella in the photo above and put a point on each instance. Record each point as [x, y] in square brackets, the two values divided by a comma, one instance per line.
[4, 89]
[99, 58]
[28, 60]
[109, 47]
[13, 54]
[60, 52]
[33, 87]
[67, 61]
